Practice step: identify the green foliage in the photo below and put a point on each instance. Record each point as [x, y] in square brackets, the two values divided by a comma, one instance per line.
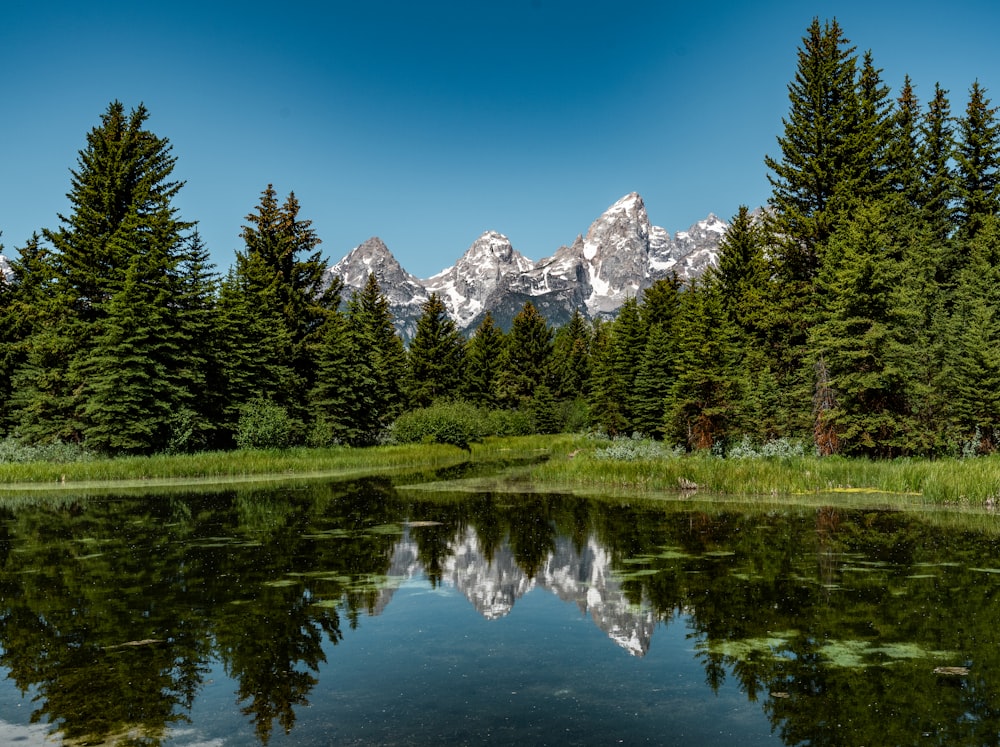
[436, 355]
[526, 356]
[13, 451]
[265, 425]
[483, 358]
[454, 423]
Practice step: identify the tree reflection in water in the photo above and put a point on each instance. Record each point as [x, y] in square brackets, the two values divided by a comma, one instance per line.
[832, 621]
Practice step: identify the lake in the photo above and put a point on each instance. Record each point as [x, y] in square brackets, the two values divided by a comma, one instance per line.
[403, 612]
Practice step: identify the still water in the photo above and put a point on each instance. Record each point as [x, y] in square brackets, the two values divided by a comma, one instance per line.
[376, 612]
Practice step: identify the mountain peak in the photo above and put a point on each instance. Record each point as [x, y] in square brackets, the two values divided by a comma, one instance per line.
[619, 256]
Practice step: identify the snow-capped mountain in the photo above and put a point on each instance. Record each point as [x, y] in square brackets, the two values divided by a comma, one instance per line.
[5, 270]
[405, 293]
[620, 256]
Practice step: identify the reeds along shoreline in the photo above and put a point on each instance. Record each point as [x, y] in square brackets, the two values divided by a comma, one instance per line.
[564, 460]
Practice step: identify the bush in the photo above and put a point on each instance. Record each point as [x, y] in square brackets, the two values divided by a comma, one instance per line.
[13, 451]
[455, 423]
[777, 448]
[264, 425]
[637, 448]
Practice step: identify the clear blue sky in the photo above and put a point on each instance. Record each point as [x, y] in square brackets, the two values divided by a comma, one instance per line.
[427, 123]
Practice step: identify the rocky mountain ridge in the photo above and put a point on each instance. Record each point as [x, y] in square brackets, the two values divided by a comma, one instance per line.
[620, 256]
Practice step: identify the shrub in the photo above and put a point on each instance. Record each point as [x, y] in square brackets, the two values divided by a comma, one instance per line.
[779, 448]
[13, 451]
[455, 423]
[637, 448]
[264, 425]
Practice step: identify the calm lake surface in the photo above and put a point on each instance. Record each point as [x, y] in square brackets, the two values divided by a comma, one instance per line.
[384, 612]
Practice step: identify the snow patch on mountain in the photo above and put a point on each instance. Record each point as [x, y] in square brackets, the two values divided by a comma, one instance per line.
[620, 256]
[5, 268]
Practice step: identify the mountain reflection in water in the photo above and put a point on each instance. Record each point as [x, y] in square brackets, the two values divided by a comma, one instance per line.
[583, 576]
[301, 615]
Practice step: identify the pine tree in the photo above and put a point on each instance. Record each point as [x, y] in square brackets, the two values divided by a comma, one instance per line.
[571, 359]
[287, 279]
[904, 150]
[743, 275]
[937, 147]
[977, 157]
[818, 170]
[703, 406]
[436, 355]
[128, 398]
[861, 347]
[613, 396]
[200, 371]
[379, 372]
[483, 360]
[972, 383]
[526, 357]
[653, 381]
[121, 197]
[336, 410]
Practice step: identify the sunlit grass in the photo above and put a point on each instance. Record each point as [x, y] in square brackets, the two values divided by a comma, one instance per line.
[224, 465]
[554, 462]
[952, 481]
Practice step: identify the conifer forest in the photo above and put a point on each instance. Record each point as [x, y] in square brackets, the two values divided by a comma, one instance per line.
[859, 311]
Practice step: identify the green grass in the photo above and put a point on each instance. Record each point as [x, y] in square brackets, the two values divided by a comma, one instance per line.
[641, 467]
[572, 462]
[228, 465]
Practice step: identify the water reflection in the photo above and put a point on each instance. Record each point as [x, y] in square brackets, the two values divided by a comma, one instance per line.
[838, 626]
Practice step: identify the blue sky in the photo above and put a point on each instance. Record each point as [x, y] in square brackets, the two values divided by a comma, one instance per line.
[427, 123]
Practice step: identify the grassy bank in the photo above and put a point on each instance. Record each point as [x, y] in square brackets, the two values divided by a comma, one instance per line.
[229, 465]
[647, 466]
[571, 462]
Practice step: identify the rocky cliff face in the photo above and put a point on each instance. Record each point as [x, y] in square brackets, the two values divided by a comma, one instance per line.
[620, 256]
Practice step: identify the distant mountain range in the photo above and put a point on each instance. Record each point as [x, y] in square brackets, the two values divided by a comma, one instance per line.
[620, 256]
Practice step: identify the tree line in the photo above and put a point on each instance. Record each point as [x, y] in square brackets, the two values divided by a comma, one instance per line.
[860, 310]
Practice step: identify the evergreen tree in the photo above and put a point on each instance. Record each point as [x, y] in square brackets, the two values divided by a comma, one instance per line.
[286, 278]
[526, 356]
[379, 371]
[972, 380]
[436, 355]
[337, 410]
[571, 359]
[819, 170]
[483, 360]
[256, 347]
[128, 397]
[198, 372]
[121, 197]
[661, 302]
[653, 381]
[613, 396]
[742, 274]
[703, 407]
[904, 150]
[937, 147]
[122, 214]
[977, 157]
[861, 347]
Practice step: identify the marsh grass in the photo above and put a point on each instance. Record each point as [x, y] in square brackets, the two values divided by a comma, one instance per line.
[229, 465]
[636, 466]
[574, 462]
